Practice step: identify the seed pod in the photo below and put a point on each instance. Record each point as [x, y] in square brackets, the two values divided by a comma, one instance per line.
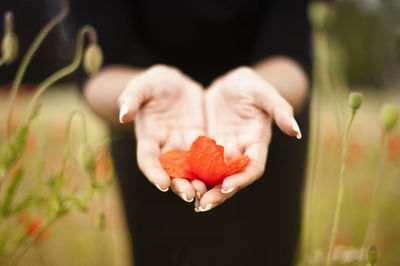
[389, 117]
[355, 100]
[372, 255]
[9, 47]
[87, 159]
[93, 58]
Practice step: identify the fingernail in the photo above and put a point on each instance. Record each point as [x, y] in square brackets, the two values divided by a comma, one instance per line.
[198, 195]
[184, 197]
[296, 128]
[196, 204]
[163, 190]
[207, 208]
[122, 112]
[229, 190]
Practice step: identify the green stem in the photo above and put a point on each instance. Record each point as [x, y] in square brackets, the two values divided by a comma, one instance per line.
[50, 219]
[83, 126]
[2, 60]
[378, 187]
[339, 200]
[28, 57]
[64, 71]
[313, 151]
[8, 22]
[67, 155]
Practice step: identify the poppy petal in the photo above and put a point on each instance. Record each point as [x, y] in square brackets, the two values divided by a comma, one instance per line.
[206, 160]
[235, 165]
[175, 164]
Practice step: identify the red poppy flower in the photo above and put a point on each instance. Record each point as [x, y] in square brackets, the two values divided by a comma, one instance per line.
[204, 160]
[175, 164]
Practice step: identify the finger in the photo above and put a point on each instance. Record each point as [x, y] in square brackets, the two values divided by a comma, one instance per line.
[183, 188]
[130, 100]
[212, 198]
[269, 100]
[199, 187]
[257, 153]
[148, 154]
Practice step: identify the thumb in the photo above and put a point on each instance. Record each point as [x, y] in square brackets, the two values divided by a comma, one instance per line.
[130, 100]
[279, 109]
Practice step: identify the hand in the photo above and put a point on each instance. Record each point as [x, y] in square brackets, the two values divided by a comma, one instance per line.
[240, 107]
[168, 110]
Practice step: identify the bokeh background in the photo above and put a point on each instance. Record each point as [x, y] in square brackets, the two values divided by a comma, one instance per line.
[356, 48]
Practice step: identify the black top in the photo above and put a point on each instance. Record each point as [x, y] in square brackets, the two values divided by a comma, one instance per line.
[203, 38]
[260, 224]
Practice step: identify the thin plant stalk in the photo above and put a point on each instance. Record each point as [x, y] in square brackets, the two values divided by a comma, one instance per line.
[339, 200]
[2, 61]
[64, 71]
[28, 57]
[378, 187]
[47, 222]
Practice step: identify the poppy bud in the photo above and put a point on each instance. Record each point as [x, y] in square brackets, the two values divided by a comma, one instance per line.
[87, 159]
[93, 58]
[389, 117]
[319, 14]
[372, 255]
[9, 47]
[102, 221]
[355, 100]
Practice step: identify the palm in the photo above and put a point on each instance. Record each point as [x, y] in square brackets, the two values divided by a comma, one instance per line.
[240, 107]
[172, 116]
[168, 109]
[234, 119]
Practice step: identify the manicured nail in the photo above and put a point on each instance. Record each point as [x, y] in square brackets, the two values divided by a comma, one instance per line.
[229, 190]
[196, 204]
[122, 112]
[296, 128]
[163, 190]
[207, 208]
[198, 195]
[184, 197]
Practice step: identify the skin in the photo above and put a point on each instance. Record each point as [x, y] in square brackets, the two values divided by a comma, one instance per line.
[170, 110]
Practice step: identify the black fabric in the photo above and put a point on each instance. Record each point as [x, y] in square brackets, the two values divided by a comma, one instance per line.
[260, 225]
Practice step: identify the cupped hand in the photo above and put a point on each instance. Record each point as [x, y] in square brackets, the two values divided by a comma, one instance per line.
[240, 107]
[168, 110]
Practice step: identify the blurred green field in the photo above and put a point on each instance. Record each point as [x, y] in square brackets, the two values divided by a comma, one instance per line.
[330, 115]
[76, 240]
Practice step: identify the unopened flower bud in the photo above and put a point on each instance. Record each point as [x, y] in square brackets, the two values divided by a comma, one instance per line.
[355, 100]
[93, 58]
[319, 13]
[372, 255]
[389, 117]
[101, 221]
[87, 159]
[9, 47]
